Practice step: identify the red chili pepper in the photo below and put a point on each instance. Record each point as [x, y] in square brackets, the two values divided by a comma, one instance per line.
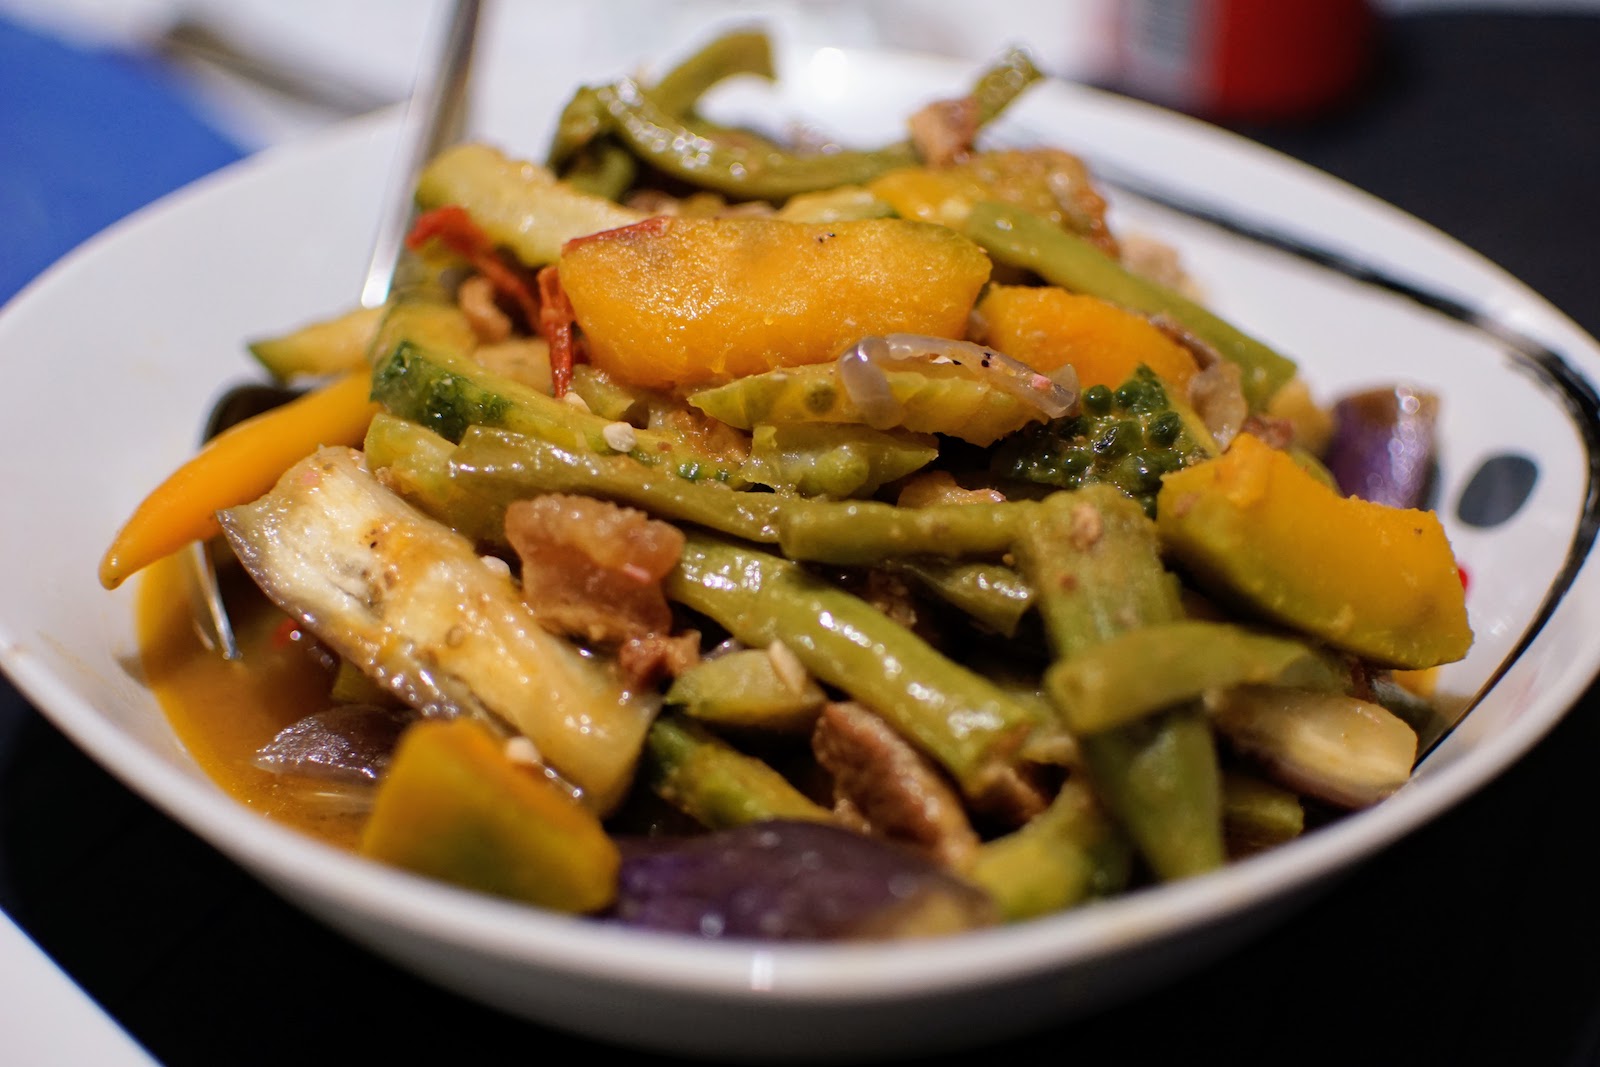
[556, 320]
[452, 227]
[1461, 572]
[654, 226]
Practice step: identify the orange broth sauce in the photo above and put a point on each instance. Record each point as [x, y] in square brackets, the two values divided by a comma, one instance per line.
[223, 711]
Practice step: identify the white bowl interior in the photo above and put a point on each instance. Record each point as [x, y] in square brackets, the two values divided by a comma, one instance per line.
[146, 323]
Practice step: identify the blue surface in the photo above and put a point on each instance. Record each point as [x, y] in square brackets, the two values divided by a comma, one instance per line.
[85, 138]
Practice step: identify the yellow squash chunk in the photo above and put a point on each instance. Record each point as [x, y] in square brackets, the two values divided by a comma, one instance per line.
[1254, 527]
[693, 301]
[941, 195]
[1047, 327]
[235, 467]
[453, 806]
[327, 346]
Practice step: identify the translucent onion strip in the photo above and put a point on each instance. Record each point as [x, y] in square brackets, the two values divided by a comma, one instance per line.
[861, 371]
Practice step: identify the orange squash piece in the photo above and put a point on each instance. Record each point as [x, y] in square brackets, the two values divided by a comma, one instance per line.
[1253, 527]
[681, 302]
[1048, 327]
[453, 806]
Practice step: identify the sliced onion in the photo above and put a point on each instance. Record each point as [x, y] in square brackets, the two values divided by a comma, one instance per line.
[861, 373]
[862, 366]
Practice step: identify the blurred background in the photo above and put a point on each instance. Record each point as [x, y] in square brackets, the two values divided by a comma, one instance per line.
[89, 86]
[271, 70]
[1482, 118]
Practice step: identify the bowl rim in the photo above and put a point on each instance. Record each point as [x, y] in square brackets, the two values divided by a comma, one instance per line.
[814, 974]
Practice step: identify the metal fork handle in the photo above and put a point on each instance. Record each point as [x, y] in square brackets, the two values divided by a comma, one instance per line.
[435, 117]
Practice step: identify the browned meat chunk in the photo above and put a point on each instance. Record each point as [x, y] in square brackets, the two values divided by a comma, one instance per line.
[647, 660]
[592, 569]
[890, 788]
[477, 299]
[943, 131]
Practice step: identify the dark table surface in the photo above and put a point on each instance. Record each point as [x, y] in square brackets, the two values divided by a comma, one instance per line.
[1476, 940]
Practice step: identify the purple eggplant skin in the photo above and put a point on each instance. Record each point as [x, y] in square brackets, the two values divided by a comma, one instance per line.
[792, 880]
[350, 743]
[1382, 447]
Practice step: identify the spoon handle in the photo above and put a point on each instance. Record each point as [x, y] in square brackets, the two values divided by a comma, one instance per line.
[434, 117]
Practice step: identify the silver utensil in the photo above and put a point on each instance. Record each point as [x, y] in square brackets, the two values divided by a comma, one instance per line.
[435, 115]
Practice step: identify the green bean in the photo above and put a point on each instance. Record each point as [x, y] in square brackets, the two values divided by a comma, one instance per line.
[596, 164]
[602, 168]
[1092, 559]
[504, 466]
[721, 787]
[733, 163]
[416, 464]
[961, 720]
[1060, 858]
[607, 397]
[1159, 775]
[868, 531]
[739, 52]
[991, 593]
[834, 460]
[735, 167]
[579, 124]
[1019, 239]
[1258, 814]
[1002, 83]
[1156, 666]
[744, 688]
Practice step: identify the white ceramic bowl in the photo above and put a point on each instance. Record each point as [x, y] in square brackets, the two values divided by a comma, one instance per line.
[111, 357]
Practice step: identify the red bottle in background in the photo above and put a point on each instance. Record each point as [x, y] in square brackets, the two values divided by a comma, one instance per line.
[1251, 60]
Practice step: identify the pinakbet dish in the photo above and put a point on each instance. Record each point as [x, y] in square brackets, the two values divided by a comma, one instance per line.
[880, 996]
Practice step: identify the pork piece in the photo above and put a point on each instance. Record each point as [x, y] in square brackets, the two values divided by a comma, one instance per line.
[476, 297]
[645, 661]
[1158, 261]
[943, 131]
[1270, 430]
[1017, 794]
[593, 569]
[410, 602]
[890, 787]
[712, 436]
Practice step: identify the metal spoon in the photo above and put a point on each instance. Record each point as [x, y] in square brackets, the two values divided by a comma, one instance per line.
[434, 117]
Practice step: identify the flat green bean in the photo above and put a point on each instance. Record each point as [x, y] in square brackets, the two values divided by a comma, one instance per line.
[1153, 667]
[504, 465]
[961, 720]
[721, 787]
[1058, 859]
[1092, 559]
[749, 170]
[991, 593]
[869, 531]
